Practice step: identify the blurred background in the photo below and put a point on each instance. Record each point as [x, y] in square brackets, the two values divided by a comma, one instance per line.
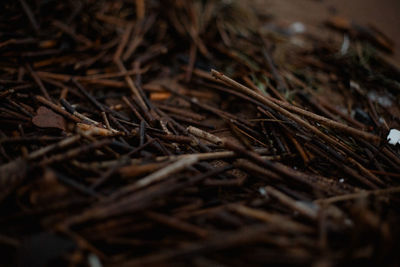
[382, 14]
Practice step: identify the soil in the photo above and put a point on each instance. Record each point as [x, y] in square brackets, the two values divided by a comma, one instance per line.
[381, 14]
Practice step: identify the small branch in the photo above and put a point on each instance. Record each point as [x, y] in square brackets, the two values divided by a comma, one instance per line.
[273, 103]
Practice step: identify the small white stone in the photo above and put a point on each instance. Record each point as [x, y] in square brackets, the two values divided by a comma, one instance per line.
[297, 27]
[384, 100]
[94, 261]
[345, 45]
[394, 137]
[262, 191]
[341, 180]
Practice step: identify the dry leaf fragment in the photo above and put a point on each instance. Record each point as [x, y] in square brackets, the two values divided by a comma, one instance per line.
[46, 118]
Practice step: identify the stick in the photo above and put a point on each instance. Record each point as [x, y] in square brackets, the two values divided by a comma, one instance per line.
[270, 103]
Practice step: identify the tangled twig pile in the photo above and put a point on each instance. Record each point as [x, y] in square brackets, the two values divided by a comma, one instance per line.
[120, 145]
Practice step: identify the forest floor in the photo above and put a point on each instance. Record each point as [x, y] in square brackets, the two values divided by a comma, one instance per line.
[199, 133]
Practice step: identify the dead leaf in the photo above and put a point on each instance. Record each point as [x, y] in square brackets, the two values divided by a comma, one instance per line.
[46, 118]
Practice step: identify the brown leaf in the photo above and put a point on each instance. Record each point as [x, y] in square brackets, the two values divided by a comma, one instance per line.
[46, 118]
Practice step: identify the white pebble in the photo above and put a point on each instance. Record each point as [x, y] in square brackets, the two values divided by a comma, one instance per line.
[297, 27]
[262, 191]
[345, 45]
[394, 137]
[94, 261]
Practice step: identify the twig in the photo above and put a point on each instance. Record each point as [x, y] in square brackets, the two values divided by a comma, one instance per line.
[270, 103]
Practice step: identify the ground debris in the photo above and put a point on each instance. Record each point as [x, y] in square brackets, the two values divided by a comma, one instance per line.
[184, 132]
